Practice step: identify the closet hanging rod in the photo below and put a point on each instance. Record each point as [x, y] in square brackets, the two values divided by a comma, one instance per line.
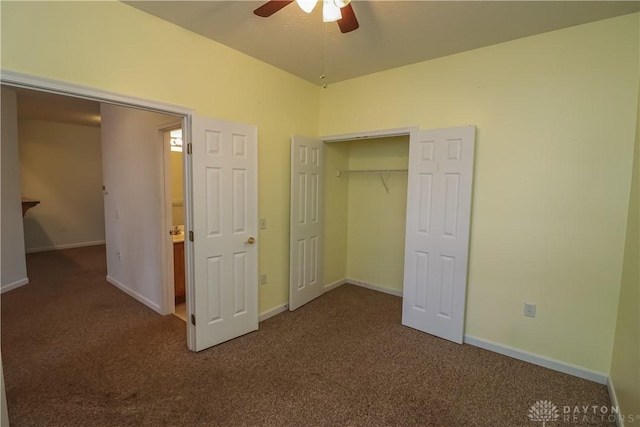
[348, 171]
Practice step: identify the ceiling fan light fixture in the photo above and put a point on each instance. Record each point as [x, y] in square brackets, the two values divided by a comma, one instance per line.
[341, 3]
[307, 5]
[330, 12]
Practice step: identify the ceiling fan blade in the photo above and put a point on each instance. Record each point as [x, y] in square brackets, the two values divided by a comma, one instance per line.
[348, 22]
[271, 7]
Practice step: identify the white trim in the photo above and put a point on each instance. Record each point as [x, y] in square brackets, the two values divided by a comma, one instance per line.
[384, 133]
[14, 285]
[189, 263]
[166, 216]
[331, 286]
[374, 287]
[43, 84]
[67, 246]
[536, 359]
[614, 402]
[127, 290]
[273, 312]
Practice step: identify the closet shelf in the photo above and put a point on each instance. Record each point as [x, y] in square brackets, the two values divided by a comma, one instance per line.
[385, 174]
[348, 171]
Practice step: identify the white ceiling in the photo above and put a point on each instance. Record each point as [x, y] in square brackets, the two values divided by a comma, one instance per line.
[36, 105]
[391, 34]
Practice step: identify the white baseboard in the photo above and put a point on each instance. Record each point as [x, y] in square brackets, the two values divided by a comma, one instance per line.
[334, 285]
[133, 294]
[614, 401]
[374, 287]
[67, 246]
[284, 307]
[274, 311]
[14, 285]
[539, 360]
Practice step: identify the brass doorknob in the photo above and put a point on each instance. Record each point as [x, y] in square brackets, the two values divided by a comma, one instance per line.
[251, 240]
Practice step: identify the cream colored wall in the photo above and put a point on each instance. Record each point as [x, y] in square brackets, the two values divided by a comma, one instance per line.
[132, 202]
[377, 218]
[336, 208]
[61, 165]
[111, 46]
[177, 192]
[556, 121]
[625, 364]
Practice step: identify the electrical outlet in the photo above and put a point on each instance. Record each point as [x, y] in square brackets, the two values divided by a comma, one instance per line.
[117, 213]
[118, 255]
[529, 309]
[263, 223]
[263, 279]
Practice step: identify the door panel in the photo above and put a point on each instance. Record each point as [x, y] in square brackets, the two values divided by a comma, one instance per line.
[306, 278]
[225, 217]
[437, 231]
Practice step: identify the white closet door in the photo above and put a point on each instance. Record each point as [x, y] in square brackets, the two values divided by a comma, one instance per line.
[437, 233]
[307, 225]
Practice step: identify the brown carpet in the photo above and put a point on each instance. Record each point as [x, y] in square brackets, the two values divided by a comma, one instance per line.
[79, 352]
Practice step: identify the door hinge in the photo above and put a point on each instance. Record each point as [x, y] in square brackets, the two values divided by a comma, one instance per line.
[193, 319]
[189, 148]
[191, 236]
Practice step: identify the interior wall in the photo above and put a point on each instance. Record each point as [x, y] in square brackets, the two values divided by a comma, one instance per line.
[61, 165]
[177, 188]
[625, 363]
[217, 82]
[336, 208]
[377, 217]
[133, 176]
[555, 116]
[14, 266]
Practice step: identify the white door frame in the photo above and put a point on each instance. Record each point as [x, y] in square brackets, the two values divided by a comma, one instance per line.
[383, 133]
[42, 84]
[166, 217]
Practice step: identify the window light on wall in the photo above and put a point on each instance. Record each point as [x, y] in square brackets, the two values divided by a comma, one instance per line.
[175, 140]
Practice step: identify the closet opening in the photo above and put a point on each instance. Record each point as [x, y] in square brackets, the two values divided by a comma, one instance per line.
[365, 206]
[403, 232]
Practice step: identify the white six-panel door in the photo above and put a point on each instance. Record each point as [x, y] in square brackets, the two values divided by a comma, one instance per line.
[225, 225]
[437, 233]
[306, 235]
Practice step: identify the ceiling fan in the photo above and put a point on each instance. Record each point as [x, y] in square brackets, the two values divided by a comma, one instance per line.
[332, 10]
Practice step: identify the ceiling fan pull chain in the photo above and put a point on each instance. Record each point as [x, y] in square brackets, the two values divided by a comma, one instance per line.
[324, 54]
